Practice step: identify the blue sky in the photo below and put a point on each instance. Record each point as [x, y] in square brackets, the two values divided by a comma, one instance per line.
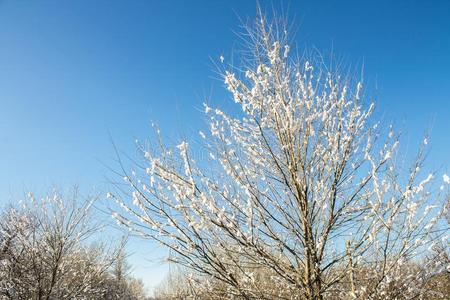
[74, 73]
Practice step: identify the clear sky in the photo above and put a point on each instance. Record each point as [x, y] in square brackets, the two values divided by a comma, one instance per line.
[74, 73]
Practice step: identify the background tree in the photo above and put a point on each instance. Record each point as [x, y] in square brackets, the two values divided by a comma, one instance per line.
[47, 251]
[120, 284]
[302, 197]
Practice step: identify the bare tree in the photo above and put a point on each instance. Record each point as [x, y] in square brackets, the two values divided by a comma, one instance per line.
[302, 196]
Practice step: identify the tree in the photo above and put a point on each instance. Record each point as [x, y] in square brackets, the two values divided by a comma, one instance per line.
[175, 285]
[303, 195]
[120, 285]
[44, 254]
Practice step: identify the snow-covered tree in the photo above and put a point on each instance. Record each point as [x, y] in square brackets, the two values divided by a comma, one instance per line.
[44, 250]
[303, 195]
